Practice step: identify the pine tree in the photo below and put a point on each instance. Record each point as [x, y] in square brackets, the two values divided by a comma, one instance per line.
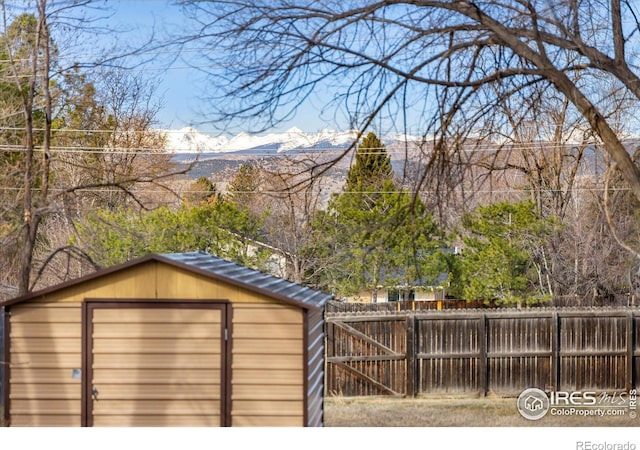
[501, 261]
[373, 233]
[372, 172]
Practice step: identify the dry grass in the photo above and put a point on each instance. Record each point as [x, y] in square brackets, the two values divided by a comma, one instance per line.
[444, 412]
[449, 412]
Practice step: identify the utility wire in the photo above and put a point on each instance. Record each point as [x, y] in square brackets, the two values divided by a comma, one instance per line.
[276, 192]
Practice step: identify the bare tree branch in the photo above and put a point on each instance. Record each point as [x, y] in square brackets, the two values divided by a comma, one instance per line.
[371, 55]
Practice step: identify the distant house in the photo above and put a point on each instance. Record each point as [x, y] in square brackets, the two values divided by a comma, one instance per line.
[420, 290]
[400, 293]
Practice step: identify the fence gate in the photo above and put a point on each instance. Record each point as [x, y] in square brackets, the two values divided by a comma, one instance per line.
[368, 356]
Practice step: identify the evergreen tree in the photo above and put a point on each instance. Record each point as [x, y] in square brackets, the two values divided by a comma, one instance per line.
[202, 191]
[244, 188]
[218, 227]
[373, 234]
[501, 258]
[372, 167]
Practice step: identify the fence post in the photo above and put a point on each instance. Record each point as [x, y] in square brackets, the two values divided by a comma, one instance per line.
[555, 351]
[328, 351]
[483, 367]
[410, 355]
[630, 344]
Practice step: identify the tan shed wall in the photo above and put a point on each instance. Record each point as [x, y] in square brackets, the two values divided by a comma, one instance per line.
[154, 279]
[44, 347]
[267, 366]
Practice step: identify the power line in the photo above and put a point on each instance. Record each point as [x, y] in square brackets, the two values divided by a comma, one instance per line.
[148, 151]
[85, 57]
[399, 138]
[276, 192]
[532, 146]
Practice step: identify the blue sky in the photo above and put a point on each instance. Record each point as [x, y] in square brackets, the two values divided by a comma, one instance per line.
[182, 88]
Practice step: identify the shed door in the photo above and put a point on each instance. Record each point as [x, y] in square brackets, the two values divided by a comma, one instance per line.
[155, 364]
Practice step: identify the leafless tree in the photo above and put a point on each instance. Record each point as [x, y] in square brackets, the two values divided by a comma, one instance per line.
[107, 140]
[291, 211]
[30, 69]
[28, 50]
[451, 63]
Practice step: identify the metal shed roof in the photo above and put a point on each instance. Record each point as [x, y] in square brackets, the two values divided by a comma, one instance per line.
[251, 279]
[215, 268]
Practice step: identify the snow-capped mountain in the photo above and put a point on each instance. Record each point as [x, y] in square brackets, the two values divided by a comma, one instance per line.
[189, 140]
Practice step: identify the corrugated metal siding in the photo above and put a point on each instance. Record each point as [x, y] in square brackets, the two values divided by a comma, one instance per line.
[44, 350]
[315, 369]
[272, 286]
[153, 279]
[132, 280]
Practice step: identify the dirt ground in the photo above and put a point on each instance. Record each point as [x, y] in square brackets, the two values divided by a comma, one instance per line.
[451, 412]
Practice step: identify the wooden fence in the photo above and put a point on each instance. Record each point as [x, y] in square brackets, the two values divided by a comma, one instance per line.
[402, 306]
[482, 351]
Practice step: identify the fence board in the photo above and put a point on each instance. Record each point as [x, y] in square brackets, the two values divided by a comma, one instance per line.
[448, 352]
[480, 351]
[593, 352]
[519, 352]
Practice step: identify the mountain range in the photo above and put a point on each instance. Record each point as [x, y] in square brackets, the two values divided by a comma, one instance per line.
[212, 156]
[190, 141]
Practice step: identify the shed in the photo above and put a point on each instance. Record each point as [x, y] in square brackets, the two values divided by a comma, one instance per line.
[184, 339]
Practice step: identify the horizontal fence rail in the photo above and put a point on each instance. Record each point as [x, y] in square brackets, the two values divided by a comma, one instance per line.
[423, 352]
